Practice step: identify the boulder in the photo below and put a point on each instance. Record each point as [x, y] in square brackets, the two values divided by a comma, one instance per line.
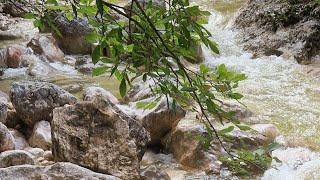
[94, 135]
[47, 47]
[92, 92]
[276, 27]
[72, 32]
[84, 64]
[6, 139]
[153, 173]
[184, 142]
[14, 158]
[36, 152]
[13, 56]
[140, 91]
[41, 135]
[62, 170]
[20, 141]
[34, 101]
[4, 105]
[18, 9]
[160, 119]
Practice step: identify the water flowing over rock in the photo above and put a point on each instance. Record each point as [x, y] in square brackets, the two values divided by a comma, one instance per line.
[6, 139]
[15, 157]
[34, 101]
[62, 170]
[41, 135]
[47, 47]
[93, 92]
[281, 27]
[20, 141]
[73, 34]
[93, 135]
[84, 64]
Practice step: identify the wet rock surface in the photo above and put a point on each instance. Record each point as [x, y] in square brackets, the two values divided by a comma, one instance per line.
[281, 27]
[34, 101]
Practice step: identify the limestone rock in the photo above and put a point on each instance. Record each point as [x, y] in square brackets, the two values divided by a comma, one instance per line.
[92, 92]
[276, 27]
[6, 139]
[41, 135]
[73, 32]
[159, 120]
[153, 173]
[20, 141]
[3, 108]
[36, 152]
[62, 170]
[34, 101]
[93, 135]
[14, 158]
[47, 47]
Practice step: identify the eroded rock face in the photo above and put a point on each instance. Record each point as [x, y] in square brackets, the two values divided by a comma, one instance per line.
[159, 120]
[93, 92]
[41, 135]
[93, 135]
[6, 139]
[47, 47]
[281, 27]
[34, 101]
[14, 158]
[62, 170]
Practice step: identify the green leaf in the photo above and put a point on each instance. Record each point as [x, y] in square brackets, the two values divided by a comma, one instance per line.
[146, 105]
[243, 127]
[96, 54]
[123, 87]
[226, 130]
[273, 146]
[92, 37]
[235, 96]
[52, 2]
[30, 16]
[214, 47]
[189, 89]
[99, 71]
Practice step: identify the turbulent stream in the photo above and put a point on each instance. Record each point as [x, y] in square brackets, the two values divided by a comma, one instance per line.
[278, 90]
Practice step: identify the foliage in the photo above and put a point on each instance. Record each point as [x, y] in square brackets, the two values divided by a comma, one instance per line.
[151, 42]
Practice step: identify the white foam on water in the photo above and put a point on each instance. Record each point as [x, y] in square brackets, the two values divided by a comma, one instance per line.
[277, 91]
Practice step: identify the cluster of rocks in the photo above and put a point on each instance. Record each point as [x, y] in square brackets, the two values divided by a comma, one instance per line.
[277, 27]
[48, 125]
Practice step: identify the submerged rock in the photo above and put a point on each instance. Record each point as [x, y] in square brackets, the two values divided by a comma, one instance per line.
[281, 27]
[6, 139]
[15, 157]
[93, 135]
[41, 135]
[34, 101]
[62, 170]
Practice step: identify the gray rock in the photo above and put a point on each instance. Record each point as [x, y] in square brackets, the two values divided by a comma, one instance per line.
[41, 135]
[159, 120]
[34, 101]
[276, 27]
[14, 158]
[73, 32]
[47, 47]
[153, 173]
[36, 152]
[4, 106]
[94, 135]
[92, 92]
[6, 139]
[18, 9]
[140, 91]
[63, 170]
[20, 141]
[84, 64]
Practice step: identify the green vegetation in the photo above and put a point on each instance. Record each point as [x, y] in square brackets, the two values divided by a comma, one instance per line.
[151, 42]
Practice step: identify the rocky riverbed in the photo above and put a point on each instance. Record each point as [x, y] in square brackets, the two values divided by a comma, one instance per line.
[59, 122]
